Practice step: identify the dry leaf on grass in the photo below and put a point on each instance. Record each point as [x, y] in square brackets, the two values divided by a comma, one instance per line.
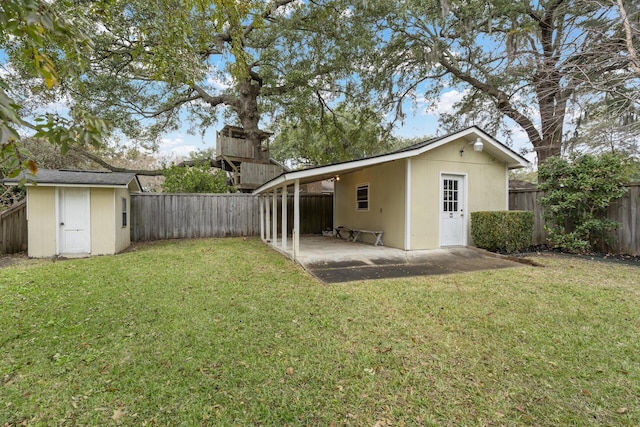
[117, 414]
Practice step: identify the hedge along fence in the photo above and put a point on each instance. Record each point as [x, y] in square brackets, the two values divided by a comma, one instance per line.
[157, 216]
[502, 231]
[625, 211]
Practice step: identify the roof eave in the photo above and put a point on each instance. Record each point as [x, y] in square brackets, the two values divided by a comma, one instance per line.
[329, 169]
[54, 184]
[512, 159]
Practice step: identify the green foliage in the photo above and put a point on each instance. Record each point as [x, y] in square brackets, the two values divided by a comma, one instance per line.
[195, 179]
[503, 59]
[578, 192]
[35, 35]
[524, 174]
[502, 231]
[344, 134]
[157, 64]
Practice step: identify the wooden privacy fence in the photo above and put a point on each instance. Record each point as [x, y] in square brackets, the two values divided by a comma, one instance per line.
[625, 211]
[13, 229]
[156, 216]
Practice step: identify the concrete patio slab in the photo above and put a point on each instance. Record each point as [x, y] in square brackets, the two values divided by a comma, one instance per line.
[333, 260]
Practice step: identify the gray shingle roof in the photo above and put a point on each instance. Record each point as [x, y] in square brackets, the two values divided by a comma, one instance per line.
[68, 177]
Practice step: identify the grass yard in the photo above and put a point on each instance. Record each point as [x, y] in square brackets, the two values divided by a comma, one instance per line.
[228, 332]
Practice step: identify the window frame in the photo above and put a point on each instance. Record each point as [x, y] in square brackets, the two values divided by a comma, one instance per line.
[123, 207]
[363, 205]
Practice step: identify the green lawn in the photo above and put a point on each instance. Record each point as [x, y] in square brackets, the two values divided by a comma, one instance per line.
[227, 332]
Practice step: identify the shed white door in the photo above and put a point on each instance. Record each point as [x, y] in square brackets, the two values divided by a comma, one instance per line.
[74, 221]
[452, 198]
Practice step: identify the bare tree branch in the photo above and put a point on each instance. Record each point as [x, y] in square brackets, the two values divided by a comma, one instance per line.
[633, 54]
[143, 172]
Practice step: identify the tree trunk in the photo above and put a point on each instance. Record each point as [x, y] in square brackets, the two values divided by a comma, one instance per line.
[546, 150]
[249, 114]
[552, 110]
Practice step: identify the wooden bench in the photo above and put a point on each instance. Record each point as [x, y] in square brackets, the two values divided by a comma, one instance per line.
[378, 235]
[354, 234]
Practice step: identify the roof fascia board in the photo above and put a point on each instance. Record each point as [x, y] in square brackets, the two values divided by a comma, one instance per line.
[51, 184]
[519, 161]
[512, 159]
[331, 169]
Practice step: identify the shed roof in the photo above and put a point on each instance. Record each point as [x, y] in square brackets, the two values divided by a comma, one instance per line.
[491, 145]
[53, 177]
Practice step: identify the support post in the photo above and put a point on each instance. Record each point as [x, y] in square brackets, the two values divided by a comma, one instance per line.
[274, 219]
[284, 218]
[407, 205]
[261, 207]
[296, 219]
[265, 199]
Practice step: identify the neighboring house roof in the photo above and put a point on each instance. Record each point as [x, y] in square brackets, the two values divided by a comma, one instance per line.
[277, 163]
[492, 146]
[72, 178]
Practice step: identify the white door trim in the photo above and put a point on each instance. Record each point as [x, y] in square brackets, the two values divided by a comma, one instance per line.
[465, 202]
[61, 203]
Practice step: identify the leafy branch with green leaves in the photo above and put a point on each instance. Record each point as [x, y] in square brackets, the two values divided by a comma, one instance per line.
[578, 192]
[35, 35]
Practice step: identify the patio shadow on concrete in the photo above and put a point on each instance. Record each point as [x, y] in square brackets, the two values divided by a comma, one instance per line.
[335, 261]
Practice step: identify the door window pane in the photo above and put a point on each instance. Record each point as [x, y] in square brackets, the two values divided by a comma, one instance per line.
[450, 195]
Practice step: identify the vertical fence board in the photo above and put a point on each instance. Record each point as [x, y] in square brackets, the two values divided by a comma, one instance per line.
[13, 229]
[157, 216]
[624, 211]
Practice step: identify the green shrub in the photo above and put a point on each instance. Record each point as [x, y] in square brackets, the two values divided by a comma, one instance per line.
[200, 178]
[578, 192]
[502, 231]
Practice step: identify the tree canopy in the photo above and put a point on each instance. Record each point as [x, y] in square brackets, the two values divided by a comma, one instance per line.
[539, 64]
[157, 64]
[563, 72]
[341, 134]
[35, 35]
[199, 178]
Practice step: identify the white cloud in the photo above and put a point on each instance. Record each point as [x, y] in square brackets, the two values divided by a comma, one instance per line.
[167, 143]
[445, 103]
[219, 83]
[175, 147]
[183, 150]
[286, 10]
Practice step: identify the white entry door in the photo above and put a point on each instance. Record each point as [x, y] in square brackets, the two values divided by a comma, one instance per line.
[74, 221]
[452, 198]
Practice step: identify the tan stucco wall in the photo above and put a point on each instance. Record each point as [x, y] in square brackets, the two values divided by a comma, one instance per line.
[41, 217]
[102, 221]
[107, 234]
[123, 234]
[386, 202]
[486, 188]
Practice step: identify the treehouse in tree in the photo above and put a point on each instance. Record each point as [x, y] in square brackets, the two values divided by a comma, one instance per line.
[249, 163]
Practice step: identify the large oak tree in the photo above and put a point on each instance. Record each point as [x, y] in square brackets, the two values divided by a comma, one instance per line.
[541, 64]
[158, 64]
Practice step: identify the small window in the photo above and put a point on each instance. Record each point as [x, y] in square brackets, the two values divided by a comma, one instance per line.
[362, 197]
[124, 212]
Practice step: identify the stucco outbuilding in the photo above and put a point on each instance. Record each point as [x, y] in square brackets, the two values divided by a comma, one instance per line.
[78, 213]
[420, 197]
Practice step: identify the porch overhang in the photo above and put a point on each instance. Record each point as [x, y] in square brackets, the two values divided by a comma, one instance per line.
[470, 135]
